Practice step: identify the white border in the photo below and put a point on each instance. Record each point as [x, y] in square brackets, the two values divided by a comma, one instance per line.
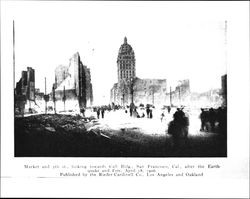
[232, 181]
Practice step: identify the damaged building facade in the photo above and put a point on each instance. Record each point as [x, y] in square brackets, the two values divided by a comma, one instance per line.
[26, 85]
[224, 89]
[73, 85]
[131, 89]
[24, 95]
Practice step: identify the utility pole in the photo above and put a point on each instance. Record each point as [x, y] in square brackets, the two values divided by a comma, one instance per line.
[14, 66]
[45, 98]
[132, 90]
[123, 93]
[54, 98]
[153, 95]
[153, 92]
[170, 96]
[123, 99]
[225, 94]
[179, 95]
[64, 97]
[226, 44]
[14, 58]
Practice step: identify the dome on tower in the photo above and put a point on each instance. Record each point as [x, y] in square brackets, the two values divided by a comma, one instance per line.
[126, 50]
[126, 62]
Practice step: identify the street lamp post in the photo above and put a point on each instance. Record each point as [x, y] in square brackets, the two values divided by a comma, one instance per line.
[170, 96]
[152, 88]
[180, 95]
[64, 97]
[153, 92]
[131, 84]
[45, 98]
[54, 98]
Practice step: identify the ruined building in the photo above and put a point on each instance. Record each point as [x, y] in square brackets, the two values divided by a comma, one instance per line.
[224, 89]
[131, 89]
[73, 84]
[61, 72]
[26, 85]
[25, 91]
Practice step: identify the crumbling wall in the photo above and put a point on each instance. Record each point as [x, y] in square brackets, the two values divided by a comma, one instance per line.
[61, 73]
[224, 89]
[30, 83]
[77, 85]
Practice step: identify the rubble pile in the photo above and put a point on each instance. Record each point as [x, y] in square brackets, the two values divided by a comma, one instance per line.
[59, 135]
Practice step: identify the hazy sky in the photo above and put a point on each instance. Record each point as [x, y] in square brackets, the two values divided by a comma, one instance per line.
[172, 40]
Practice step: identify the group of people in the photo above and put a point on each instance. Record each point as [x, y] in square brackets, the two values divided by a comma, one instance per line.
[213, 119]
[100, 111]
[149, 112]
[133, 111]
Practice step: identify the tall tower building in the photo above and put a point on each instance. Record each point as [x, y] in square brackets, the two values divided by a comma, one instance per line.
[131, 90]
[126, 62]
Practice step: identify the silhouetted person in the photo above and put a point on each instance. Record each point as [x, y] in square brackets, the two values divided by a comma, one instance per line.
[147, 111]
[212, 118]
[98, 113]
[162, 116]
[151, 114]
[222, 120]
[178, 128]
[103, 111]
[82, 110]
[169, 109]
[179, 116]
[203, 119]
[131, 111]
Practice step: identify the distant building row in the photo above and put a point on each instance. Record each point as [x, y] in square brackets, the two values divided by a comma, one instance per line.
[131, 89]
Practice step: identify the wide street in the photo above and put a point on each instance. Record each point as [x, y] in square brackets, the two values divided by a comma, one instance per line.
[119, 120]
[116, 135]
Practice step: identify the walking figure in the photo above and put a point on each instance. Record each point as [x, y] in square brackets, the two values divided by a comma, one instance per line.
[103, 110]
[162, 116]
[203, 117]
[178, 128]
[98, 113]
[169, 109]
[147, 111]
[82, 110]
[151, 114]
[212, 118]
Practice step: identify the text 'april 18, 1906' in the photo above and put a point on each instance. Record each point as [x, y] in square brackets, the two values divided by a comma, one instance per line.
[125, 170]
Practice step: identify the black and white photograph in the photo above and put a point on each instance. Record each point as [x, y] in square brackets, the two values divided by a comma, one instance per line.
[124, 86]
[125, 80]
